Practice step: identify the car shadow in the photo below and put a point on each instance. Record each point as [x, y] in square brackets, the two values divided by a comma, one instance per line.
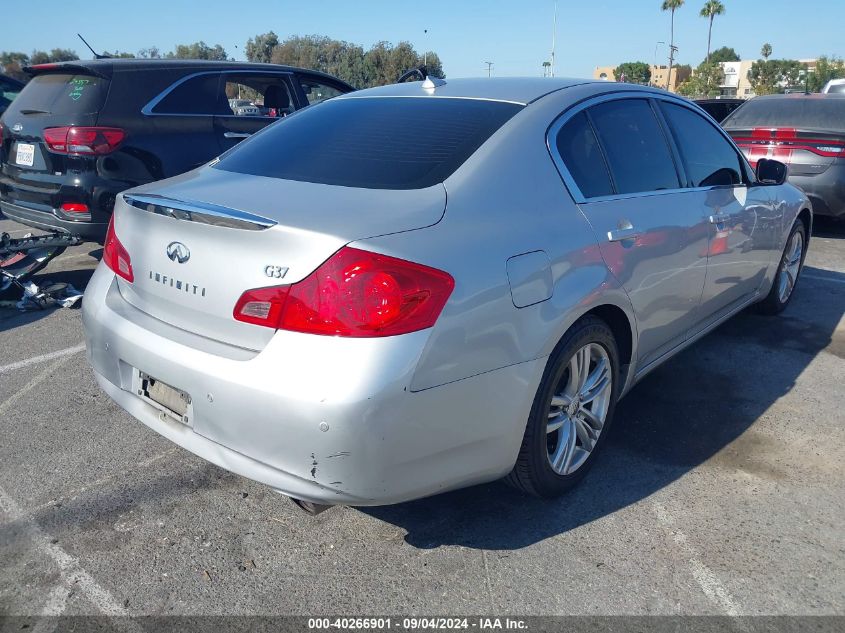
[824, 226]
[685, 413]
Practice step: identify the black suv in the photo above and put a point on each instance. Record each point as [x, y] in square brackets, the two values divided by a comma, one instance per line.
[81, 132]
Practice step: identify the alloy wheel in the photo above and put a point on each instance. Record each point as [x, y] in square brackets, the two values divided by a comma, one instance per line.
[790, 266]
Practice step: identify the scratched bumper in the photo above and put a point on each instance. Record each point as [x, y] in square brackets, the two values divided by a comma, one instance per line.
[324, 419]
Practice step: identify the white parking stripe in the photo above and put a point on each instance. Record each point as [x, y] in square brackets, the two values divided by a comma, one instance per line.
[41, 359]
[820, 278]
[71, 570]
[706, 579]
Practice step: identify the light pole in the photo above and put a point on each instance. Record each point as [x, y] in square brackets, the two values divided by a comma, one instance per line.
[554, 32]
[425, 48]
[489, 69]
[655, 53]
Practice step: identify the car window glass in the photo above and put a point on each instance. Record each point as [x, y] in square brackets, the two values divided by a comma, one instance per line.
[579, 149]
[316, 91]
[254, 94]
[635, 146]
[63, 93]
[197, 95]
[709, 159]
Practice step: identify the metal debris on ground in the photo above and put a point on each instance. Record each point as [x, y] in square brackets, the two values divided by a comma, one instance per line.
[20, 258]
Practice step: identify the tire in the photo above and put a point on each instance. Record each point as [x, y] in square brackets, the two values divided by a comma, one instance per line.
[788, 273]
[534, 472]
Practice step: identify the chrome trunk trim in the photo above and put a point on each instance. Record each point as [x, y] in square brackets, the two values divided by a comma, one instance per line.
[202, 212]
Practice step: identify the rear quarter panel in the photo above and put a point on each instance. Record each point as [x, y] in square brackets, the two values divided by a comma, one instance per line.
[506, 200]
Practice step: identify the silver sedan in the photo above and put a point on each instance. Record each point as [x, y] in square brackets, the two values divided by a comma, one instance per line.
[419, 287]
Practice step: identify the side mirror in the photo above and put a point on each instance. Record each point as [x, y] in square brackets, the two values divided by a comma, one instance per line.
[771, 172]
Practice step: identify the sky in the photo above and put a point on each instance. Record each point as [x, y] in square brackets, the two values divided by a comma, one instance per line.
[515, 35]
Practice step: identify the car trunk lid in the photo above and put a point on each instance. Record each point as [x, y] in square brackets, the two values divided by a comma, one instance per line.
[807, 152]
[199, 240]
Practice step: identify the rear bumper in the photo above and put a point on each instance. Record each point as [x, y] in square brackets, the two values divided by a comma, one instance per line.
[826, 191]
[324, 419]
[48, 221]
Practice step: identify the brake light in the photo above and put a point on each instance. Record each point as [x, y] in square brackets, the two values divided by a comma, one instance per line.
[354, 293]
[74, 207]
[115, 256]
[83, 141]
[785, 141]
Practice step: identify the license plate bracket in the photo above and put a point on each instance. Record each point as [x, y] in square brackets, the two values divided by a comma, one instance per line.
[171, 402]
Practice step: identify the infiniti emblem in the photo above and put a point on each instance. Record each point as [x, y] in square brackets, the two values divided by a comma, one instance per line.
[178, 252]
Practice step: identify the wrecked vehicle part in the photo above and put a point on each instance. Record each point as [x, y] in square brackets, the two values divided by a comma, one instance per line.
[20, 258]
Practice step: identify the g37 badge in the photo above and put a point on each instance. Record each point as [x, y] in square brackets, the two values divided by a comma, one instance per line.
[275, 272]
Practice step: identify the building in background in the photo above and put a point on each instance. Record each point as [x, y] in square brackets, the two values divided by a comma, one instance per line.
[658, 75]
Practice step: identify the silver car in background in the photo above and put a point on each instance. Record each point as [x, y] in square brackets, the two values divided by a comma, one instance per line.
[421, 287]
[243, 107]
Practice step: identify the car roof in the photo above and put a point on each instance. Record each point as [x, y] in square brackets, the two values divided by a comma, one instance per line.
[521, 90]
[801, 95]
[108, 66]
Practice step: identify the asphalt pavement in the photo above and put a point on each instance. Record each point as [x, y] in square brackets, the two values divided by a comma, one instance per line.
[721, 491]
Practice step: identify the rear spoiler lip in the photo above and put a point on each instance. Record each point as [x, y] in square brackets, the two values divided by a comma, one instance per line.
[58, 67]
[733, 131]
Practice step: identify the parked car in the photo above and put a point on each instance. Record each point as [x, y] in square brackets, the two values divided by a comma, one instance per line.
[10, 88]
[719, 108]
[807, 132]
[242, 107]
[834, 86]
[81, 132]
[313, 312]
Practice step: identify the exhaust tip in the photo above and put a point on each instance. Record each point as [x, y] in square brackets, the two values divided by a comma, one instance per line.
[310, 507]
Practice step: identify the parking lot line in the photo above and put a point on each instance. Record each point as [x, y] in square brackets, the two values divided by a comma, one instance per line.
[41, 359]
[69, 566]
[706, 579]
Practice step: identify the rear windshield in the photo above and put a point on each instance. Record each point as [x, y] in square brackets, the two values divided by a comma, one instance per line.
[62, 93]
[821, 113]
[372, 143]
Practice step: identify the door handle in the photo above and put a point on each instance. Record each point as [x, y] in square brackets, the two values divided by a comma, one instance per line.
[619, 235]
[235, 135]
[719, 218]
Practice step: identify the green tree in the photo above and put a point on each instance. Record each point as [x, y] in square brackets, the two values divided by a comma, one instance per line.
[12, 63]
[827, 68]
[774, 75]
[260, 48]
[634, 72]
[704, 82]
[682, 73]
[150, 53]
[724, 54]
[198, 50]
[766, 51]
[63, 55]
[121, 55]
[710, 10]
[672, 6]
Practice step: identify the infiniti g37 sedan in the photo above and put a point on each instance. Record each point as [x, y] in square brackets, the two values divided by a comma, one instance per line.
[425, 286]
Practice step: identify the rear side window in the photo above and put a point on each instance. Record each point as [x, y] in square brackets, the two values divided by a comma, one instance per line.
[836, 89]
[709, 159]
[372, 143]
[814, 112]
[635, 146]
[198, 95]
[579, 149]
[61, 93]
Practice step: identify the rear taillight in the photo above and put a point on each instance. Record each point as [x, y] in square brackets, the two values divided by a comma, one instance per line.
[354, 293]
[786, 140]
[74, 207]
[115, 256]
[83, 141]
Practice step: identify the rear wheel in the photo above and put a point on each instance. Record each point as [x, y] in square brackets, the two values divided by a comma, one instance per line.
[789, 269]
[571, 412]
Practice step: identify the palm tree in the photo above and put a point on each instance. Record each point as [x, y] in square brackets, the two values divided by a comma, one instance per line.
[711, 9]
[671, 5]
[766, 51]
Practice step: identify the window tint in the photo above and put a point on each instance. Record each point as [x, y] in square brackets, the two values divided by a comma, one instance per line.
[635, 146]
[709, 159]
[836, 88]
[197, 95]
[579, 149]
[254, 94]
[316, 91]
[383, 143]
[813, 112]
[62, 93]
